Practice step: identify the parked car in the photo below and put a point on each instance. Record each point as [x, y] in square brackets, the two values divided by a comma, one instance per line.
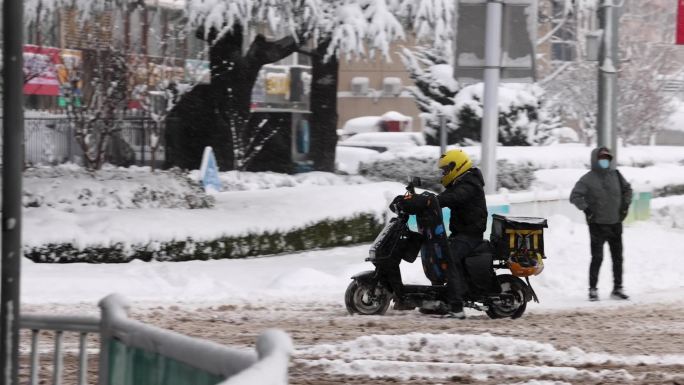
[383, 141]
[391, 121]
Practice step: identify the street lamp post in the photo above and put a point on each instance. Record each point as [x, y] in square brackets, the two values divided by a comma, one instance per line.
[607, 74]
[492, 74]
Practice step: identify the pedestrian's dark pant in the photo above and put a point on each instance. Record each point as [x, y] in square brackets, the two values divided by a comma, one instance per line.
[460, 246]
[600, 234]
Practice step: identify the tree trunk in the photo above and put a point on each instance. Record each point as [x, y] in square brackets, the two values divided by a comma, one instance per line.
[218, 115]
[324, 108]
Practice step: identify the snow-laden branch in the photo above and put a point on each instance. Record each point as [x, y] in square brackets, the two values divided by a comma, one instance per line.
[567, 4]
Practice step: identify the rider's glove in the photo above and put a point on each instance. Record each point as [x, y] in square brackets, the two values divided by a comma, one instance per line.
[397, 203]
[415, 204]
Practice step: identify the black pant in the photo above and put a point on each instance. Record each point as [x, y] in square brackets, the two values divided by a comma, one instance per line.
[601, 234]
[460, 246]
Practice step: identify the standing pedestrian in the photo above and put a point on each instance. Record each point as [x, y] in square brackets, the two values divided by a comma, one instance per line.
[604, 195]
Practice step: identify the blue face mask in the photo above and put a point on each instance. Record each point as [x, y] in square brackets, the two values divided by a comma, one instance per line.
[604, 163]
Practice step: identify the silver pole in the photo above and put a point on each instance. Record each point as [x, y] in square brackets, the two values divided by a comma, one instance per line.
[442, 134]
[490, 115]
[607, 85]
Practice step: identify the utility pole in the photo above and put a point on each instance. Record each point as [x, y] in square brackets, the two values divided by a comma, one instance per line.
[607, 75]
[12, 167]
[492, 73]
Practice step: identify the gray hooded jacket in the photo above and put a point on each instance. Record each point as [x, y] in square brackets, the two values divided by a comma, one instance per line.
[603, 194]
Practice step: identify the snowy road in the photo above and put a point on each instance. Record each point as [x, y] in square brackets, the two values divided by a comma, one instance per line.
[628, 344]
[609, 344]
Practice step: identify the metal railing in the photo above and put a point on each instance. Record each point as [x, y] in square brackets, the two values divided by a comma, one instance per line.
[59, 324]
[51, 140]
[165, 357]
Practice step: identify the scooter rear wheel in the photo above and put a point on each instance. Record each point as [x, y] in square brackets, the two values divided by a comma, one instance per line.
[516, 287]
[366, 298]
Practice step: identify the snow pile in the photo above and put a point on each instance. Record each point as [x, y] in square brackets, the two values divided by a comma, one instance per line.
[668, 211]
[475, 356]
[348, 159]
[69, 187]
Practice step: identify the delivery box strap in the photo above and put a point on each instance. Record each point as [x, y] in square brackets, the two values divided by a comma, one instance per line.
[524, 235]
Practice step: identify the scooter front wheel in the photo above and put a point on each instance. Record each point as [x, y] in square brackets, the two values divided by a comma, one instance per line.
[366, 298]
[514, 286]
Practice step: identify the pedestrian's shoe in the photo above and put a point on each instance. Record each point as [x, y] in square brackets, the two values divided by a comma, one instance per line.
[619, 294]
[593, 295]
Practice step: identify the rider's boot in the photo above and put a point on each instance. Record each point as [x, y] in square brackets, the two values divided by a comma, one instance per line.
[400, 303]
[456, 311]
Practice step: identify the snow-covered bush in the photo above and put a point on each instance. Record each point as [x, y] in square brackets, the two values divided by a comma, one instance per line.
[72, 188]
[670, 190]
[524, 118]
[510, 176]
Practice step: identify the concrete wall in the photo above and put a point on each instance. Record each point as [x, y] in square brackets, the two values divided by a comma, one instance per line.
[375, 70]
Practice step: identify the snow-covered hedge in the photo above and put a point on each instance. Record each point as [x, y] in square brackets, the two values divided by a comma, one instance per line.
[323, 234]
[510, 176]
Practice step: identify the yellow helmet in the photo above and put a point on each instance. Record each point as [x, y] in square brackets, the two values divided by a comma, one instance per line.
[453, 164]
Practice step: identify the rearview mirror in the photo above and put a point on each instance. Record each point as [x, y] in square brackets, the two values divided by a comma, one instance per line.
[416, 182]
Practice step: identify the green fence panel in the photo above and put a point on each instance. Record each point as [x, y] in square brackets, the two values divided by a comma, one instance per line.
[640, 209]
[135, 366]
[643, 209]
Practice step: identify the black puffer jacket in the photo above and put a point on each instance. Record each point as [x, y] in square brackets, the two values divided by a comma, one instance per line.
[466, 198]
[603, 194]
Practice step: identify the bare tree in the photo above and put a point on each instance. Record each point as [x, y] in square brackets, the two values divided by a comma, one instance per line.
[646, 65]
[97, 120]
